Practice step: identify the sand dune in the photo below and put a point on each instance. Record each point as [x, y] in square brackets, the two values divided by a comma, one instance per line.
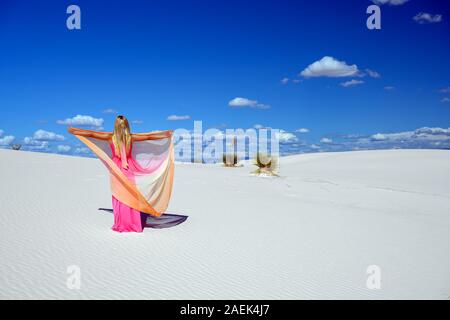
[311, 233]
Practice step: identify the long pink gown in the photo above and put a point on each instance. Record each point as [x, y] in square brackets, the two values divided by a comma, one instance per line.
[126, 219]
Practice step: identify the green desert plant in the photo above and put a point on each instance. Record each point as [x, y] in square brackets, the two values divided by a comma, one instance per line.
[267, 165]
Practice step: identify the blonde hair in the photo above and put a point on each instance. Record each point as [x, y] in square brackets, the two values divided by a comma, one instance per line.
[121, 135]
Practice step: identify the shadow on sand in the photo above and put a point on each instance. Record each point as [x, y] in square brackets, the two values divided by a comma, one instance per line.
[166, 220]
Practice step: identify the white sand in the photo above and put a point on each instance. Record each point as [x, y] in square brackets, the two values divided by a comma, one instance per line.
[309, 234]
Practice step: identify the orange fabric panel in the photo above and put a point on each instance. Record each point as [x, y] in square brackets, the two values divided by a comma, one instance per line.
[125, 191]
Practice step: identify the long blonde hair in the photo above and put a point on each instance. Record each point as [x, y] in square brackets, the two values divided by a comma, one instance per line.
[121, 135]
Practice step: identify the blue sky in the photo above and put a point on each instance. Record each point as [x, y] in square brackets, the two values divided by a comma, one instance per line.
[153, 59]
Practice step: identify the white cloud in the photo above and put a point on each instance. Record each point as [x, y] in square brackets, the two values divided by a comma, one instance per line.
[258, 126]
[391, 2]
[330, 67]
[422, 137]
[42, 135]
[286, 137]
[373, 74]
[287, 80]
[6, 140]
[302, 130]
[445, 100]
[82, 150]
[138, 122]
[33, 144]
[178, 118]
[424, 17]
[444, 90]
[433, 130]
[351, 83]
[63, 148]
[326, 140]
[239, 102]
[389, 88]
[378, 137]
[110, 111]
[82, 120]
[398, 136]
[1, 132]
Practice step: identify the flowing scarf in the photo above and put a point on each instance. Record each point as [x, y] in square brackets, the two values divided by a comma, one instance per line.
[147, 185]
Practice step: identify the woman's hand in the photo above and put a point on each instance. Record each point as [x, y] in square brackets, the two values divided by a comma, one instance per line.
[156, 135]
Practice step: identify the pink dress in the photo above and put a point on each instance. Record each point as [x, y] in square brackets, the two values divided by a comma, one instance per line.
[126, 219]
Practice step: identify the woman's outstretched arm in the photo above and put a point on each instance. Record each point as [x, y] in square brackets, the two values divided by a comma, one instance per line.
[90, 133]
[152, 135]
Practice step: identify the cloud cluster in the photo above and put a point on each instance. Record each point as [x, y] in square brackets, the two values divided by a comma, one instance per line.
[425, 137]
[433, 131]
[424, 17]
[421, 138]
[178, 118]
[240, 102]
[351, 83]
[42, 135]
[32, 144]
[5, 140]
[286, 137]
[40, 141]
[329, 67]
[332, 68]
[287, 80]
[63, 148]
[82, 151]
[83, 121]
[110, 111]
[372, 73]
[326, 140]
[390, 2]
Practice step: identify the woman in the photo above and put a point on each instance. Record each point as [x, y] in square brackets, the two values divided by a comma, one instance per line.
[141, 171]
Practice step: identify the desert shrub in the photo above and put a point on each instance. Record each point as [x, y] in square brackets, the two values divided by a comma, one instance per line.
[230, 160]
[16, 146]
[267, 165]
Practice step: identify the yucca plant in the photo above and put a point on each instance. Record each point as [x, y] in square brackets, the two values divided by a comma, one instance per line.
[230, 160]
[267, 165]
